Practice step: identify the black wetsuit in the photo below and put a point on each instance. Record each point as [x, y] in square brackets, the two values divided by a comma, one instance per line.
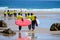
[15, 14]
[33, 25]
[20, 27]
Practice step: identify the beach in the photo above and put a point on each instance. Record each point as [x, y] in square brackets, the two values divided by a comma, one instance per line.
[42, 32]
[46, 11]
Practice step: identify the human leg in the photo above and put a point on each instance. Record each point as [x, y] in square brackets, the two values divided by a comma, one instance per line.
[29, 27]
[19, 27]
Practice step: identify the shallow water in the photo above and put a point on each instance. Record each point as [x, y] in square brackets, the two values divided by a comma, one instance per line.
[45, 20]
[31, 36]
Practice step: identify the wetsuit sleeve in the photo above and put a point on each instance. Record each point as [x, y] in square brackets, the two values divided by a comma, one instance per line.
[36, 23]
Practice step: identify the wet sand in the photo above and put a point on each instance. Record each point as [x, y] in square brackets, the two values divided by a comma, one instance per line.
[38, 34]
[38, 29]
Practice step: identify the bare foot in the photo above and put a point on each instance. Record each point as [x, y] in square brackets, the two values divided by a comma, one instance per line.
[19, 31]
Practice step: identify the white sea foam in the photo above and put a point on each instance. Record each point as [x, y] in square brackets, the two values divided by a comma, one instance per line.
[3, 8]
[19, 9]
[25, 9]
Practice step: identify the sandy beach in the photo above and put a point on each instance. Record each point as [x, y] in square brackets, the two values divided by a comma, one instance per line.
[38, 29]
[41, 32]
[47, 13]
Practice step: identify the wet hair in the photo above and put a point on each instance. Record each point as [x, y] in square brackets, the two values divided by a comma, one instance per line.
[28, 14]
[7, 10]
[31, 13]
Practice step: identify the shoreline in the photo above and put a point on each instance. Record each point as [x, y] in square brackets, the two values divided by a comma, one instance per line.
[40, 30]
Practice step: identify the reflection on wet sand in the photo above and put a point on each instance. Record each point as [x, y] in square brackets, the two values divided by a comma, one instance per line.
[29, 36]
[33, 36]
[40, 33]
[20, 37]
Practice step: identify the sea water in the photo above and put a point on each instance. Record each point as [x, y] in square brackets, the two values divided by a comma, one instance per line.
[45, 20]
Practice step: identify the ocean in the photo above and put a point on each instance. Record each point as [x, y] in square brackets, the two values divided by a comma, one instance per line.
[45, 20]
[36, 5]
[29, 4]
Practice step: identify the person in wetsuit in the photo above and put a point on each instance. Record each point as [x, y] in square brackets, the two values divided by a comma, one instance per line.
[19, 17]
[34, 21]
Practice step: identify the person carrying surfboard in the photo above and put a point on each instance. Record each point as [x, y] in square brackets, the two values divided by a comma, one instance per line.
[19, 17]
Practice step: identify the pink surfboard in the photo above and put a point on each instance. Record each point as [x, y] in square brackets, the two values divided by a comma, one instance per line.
[25, 22]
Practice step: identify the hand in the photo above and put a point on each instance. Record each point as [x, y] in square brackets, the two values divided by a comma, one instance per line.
[37, 25]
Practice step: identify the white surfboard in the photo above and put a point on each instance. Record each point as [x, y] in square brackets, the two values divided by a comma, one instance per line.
[38, 22]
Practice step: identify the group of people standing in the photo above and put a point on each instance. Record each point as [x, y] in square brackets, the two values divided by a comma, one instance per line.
[28, 15]
[11, 12]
